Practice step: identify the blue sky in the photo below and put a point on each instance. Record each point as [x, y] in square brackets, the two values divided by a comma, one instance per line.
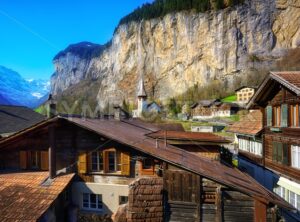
[34, 31]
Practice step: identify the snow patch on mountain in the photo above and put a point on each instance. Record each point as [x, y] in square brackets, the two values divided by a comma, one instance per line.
[14, 89]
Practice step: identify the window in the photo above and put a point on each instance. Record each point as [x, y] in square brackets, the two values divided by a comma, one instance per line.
[92, 201]
[294, 199]
[123, 200]
[280, 191]
[147, 164]
[294, 116]
[295, 156]
[269, 115]
[35, 159]
[284, 115]
[97, 161]
[250, 145]
[280, 153]
[277, 116]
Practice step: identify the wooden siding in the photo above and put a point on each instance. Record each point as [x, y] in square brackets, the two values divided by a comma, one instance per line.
[286, 170]
[286, 135]
[189, 197]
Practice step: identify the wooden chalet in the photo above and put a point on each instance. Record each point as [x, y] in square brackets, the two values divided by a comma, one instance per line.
[116, 162]
[278, 97]
[205, 109]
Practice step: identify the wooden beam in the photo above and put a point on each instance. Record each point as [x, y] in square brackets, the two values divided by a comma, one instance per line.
[260, 211]
[199, 218]
[52, 152]
[219, 210]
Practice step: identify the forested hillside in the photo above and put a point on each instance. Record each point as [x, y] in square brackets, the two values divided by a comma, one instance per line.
[162, 7]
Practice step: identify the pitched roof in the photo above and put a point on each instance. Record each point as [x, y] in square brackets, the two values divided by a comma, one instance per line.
[142, 91]
[134, 135]
[290, 80]
[23, 198]
[189, 136]
[242, 87]
[137, 138]
[251, 124]
[16, 118]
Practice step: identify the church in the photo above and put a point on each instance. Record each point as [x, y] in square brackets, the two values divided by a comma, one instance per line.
[143, 105]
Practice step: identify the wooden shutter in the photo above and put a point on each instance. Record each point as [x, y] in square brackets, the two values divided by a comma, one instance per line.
[125, 163]
[89, 162]
[284, 115]
[269, 115]
[23, 160]
[44, 160]
[82, 162]
[285, 154]
[105, 162]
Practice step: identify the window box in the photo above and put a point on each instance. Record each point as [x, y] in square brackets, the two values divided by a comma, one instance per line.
[275, 129]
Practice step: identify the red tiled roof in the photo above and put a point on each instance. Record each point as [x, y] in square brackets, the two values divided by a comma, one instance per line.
[191, 136]
[251, 124]
[23, 198]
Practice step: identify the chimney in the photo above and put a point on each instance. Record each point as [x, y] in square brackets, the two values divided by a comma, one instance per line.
[117, 112]
[120, 113]
[51, 107]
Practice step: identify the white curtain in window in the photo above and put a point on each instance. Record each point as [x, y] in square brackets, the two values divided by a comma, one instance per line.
[296, 156]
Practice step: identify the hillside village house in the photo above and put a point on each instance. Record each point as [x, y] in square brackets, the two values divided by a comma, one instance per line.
[16, 118]
[278, 97]
[244, 94]
[91, 167]
[206, 109]
[249, 140]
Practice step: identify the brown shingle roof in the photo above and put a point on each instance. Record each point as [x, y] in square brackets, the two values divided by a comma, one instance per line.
[191, 136]
[23, 198]
[251, 124]
[137, 138]
[289, 79]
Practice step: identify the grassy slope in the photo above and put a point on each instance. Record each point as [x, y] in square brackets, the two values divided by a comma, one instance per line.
[229, 99]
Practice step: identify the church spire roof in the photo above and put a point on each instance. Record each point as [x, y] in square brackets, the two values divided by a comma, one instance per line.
[142, 91]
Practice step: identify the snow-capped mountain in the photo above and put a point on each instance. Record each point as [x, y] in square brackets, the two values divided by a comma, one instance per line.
[15, 90]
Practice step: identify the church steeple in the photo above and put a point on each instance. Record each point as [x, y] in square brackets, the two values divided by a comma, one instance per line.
[142, 92]
[142, 98]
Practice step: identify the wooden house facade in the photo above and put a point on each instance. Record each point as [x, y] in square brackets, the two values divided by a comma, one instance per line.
[205, 109]
[117, 163]
[278, 98]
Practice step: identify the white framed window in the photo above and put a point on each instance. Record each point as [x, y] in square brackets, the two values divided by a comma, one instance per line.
[296, 156]
[280, 191]
[92, 201]
[251, 146]
[294, 199]
[97, 161]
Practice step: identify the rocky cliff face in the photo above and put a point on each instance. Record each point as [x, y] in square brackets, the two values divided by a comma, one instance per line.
[179, 50]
